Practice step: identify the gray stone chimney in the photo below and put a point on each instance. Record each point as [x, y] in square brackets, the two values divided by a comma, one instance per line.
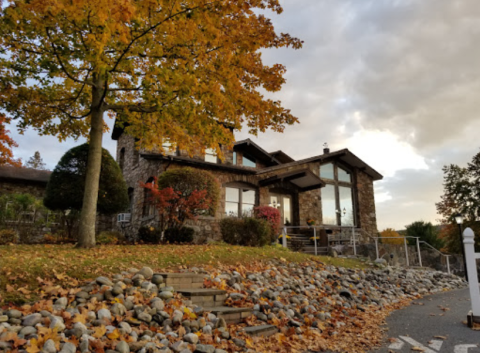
[325, 148]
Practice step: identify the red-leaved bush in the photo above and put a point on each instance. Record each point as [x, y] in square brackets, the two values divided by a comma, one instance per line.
[174, 208]
[272, 216]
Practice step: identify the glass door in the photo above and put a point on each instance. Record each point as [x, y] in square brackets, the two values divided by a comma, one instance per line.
[283, 203]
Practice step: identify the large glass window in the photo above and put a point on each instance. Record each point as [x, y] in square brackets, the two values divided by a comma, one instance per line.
[337, 196]
[239, 201]
[343, 175]
[346, 205]
[326, 171]
[329, 205]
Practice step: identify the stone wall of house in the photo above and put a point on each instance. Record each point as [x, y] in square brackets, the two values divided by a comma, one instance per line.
[22, 187]
[366, 204]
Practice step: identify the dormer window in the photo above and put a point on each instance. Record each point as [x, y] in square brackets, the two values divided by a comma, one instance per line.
[248, 161]
[210, 155]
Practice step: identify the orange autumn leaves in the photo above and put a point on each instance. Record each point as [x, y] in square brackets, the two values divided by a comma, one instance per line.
[184, 70]
[6, 144]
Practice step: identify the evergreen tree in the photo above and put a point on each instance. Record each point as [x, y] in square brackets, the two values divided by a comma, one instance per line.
[67, 183]
[36, 162]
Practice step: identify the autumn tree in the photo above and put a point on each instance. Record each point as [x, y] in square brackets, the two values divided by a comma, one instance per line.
[186, 70]
[426, 232]
[461, 195]
[36, 162]
[391, 236]
[6, 145]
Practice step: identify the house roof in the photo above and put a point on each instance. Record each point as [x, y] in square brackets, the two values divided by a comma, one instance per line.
[256, 151]
[282, 157]
[24, 174]
[304, 179]
[343, 155]
[199, 163]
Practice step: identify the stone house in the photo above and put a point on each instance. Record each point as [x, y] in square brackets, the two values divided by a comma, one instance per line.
[20, 180]
[335, 189]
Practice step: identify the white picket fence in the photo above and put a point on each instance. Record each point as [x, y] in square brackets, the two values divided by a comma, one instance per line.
[471, 261]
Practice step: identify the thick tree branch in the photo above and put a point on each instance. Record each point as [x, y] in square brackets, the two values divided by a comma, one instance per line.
[64, 69]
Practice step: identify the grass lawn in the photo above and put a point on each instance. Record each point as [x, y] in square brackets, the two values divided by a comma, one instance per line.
[24, 269]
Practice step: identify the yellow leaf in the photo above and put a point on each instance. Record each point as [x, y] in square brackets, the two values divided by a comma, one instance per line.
[99, 331]
[114, 334]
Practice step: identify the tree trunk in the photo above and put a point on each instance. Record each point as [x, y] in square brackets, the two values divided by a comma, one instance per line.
[88, 215]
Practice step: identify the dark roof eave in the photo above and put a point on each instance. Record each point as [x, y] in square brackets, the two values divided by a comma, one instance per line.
[198, 163]
[249, 142]
[337, 154]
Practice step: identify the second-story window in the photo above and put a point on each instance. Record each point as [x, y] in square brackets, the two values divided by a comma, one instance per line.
[248, 161]
[210, 155]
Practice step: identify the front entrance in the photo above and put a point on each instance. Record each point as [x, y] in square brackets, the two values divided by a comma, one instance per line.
[284, 204]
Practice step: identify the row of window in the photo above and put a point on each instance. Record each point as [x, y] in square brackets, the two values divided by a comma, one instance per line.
[336, 196]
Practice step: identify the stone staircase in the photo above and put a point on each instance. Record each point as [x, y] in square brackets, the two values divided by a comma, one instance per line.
[307, 245]
[190, 286]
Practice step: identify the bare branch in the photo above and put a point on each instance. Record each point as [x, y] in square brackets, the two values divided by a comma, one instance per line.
[64, 69]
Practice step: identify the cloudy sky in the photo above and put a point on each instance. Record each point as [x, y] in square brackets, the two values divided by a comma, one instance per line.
[395, 81]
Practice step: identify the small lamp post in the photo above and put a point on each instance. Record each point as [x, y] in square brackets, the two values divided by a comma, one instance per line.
[459, 220]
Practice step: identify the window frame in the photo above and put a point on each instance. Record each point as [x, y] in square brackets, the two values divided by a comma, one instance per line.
[239, 187]
[337, 183]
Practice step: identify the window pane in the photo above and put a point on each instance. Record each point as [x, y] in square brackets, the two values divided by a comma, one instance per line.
[343, 175]
[231, 208]
[328, 205]
[248, 196]
[234, 158]
[247, 209]
[210, 155]
[346, 203]
[231, 194]
[248, 162]
[326, 171]
[287, 213]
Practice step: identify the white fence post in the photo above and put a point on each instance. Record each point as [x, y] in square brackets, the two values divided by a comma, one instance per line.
[406, 251]
[470, 258]
[419, 253]
[376, 246]
[315, 239]
[448, 263]
[284, 238]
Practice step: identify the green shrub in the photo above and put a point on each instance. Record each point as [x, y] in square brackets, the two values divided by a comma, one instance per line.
[66, 185]
[149, 235]
[179, 235]
[245, 231]
[8, 236]
[108, 237]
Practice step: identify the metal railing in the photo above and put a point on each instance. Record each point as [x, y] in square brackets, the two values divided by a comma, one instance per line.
[315, 227]
[447, 257]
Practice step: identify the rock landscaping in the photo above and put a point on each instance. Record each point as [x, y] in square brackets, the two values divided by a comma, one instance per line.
[263, 307]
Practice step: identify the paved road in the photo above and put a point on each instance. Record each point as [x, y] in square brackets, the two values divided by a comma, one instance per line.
[419, 323]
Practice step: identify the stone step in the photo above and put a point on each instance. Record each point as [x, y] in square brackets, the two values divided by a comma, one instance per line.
[185, 280]
[231, 315]
[204, 297]
[262, 330]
